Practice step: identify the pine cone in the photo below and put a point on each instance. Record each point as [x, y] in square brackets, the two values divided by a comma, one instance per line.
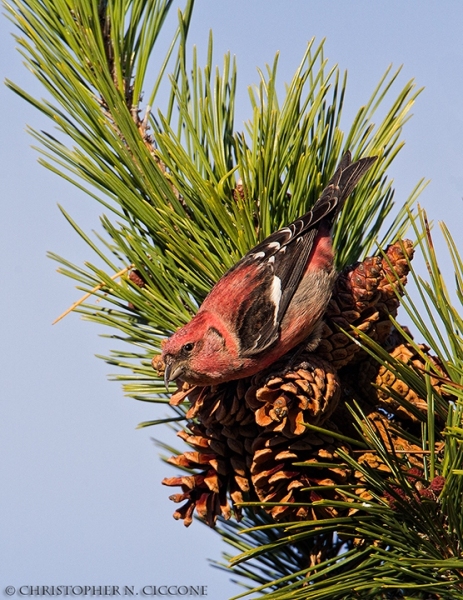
[395, 268]
[224, 471]
[136, 277]
[221, 405]
[364, 296]
[410, 455]
[276, 478]
[283, 397]
[381, 387]
[352, 303]
[392, 437]
[223, 438]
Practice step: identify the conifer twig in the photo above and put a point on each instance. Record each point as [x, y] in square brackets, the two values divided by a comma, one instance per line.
[92, 291]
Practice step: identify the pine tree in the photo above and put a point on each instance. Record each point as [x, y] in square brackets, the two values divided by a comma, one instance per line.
[337, 476]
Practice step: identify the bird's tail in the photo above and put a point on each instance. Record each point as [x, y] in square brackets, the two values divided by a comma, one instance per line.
[348, 174]
[340, 186]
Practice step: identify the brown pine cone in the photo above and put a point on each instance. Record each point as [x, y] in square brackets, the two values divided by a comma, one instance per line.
[352, 302]
[224, 472]
[395, 268]
[223, 404]
[136, 277]
[381, 387]
[276, 478]
[392, 437]
[284, 397]
[223, 439]
[356, 289]
[410, 455]
[364, 296]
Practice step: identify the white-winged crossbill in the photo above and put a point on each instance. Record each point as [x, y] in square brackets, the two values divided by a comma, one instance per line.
[271, 301]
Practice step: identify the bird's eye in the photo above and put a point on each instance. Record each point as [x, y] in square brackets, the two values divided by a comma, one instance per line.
[187, 348]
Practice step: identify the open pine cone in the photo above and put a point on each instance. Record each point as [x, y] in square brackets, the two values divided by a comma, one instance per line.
[381, 387]
[284, 397]
[277, 479]
[220, 458]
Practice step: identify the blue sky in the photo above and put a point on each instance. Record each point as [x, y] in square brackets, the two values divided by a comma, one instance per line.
[81, 501]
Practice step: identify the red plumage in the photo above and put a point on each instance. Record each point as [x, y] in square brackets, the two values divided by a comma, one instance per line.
[271, 301]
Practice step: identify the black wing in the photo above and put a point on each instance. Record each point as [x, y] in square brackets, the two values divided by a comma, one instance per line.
[282, 259]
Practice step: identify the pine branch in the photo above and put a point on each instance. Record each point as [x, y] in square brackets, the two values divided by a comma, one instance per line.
[185, 195]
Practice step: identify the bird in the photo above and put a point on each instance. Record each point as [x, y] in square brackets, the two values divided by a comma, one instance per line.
[271, 301]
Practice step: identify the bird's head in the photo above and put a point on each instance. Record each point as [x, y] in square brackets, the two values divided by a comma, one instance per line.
[202, 352]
